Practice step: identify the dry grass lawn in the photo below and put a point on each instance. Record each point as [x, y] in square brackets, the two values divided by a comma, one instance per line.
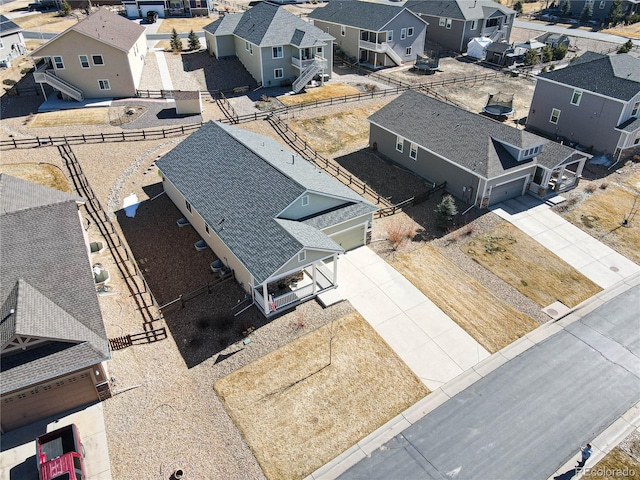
[184, 25]
[615, 460]
[319, 93]
[297, 412]
[166, 45]
[331, 133]
[47, 22]
[602, 214]
[529, 267]
[490, 321]
[630, 31]
[42, 173]
[80, 116]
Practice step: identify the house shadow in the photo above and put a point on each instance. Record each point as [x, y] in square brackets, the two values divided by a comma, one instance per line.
[171, 113]
[26, 470]
[219, 74]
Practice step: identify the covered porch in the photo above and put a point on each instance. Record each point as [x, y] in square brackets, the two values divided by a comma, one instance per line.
[561, 178]
[292, 288]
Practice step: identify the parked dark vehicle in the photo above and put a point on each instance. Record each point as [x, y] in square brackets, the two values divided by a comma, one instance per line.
[152, 17]
[61, 455]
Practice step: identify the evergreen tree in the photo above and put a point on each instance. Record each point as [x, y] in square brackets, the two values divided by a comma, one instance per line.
[615, 13]
[587, 11]
[66, 9]
[518, 7]
[446, 211]
[194, 41]
[547, 54]
[560, 52]
[626, 47]
[531, 58]
[565, 8]
[175, 42]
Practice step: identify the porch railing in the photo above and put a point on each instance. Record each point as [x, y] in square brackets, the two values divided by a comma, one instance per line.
[301, 63]
[294, 296]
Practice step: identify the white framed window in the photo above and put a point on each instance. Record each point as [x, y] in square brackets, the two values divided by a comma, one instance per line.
[575, 98]
[276, 52]
[389, 35]
[305, 200]
[57, 62]
[399, 144]
[104, 84]
[302, 256]
[474, 25]
[135, 49]
[555, 115]
[407, 51]
[343, 30]
[403, 33]
[449, 23]
[84, 61]
[637, 140]
[602, 4]
[97, 60]
[442, 22]
[206, 229]
[1, 44]
[413, 152]
[410, 32]
[277, 73]
[188, 205]
[248, 47]
[319, 50]
[636, 108]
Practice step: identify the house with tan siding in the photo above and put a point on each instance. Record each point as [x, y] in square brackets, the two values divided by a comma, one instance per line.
[100, 57]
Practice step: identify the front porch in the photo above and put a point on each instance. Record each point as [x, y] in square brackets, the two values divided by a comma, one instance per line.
[559, 179]
[277, 295]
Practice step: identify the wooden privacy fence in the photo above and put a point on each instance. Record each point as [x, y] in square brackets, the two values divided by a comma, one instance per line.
[423, 197]
[150, 336]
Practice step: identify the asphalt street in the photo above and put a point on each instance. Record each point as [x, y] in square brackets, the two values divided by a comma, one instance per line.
[530, 416]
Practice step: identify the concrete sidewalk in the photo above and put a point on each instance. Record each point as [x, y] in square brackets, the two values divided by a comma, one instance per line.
[426, 339]
[596, 261]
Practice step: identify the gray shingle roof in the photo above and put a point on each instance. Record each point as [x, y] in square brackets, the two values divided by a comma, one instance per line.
[339, 215]
[458, 9]
[364, 15]
[630, 125]
[615, 76]
[7, 27]
[467, 139]
[269, 25]
[308, 236]
[248, 180]
[46, 278]
[17, 194]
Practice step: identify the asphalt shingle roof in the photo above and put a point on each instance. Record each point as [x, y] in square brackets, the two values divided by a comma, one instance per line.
[630, 125]
[46, 278]
[269, 25]
[239, 182]
[458, 9]
[7, 27]
[616, 75]
[339, 215]
[472, 141]
[364, 15]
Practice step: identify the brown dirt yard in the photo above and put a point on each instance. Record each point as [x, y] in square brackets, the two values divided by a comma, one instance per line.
[43, 173]
[329, 90]
[49, 21]
[82, 116]
[303, 404]
[629, 31]
[184, 25]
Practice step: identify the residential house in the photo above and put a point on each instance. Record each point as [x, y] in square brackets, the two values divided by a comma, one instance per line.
[167, 8]
[273, 218]
[11, 41]
[275, 46]
[600, 8]
[53, 340]
[554, 40]
[375, 34]
[482, 161]
[100, 57]
[453, 23]
[594, 102]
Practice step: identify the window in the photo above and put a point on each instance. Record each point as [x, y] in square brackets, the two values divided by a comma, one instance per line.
[443, 21]
[276, 52]
[1, 44]
[403, 33]
[389, 35]
[506, 20]
[555, 115]
[399, 144]
[84, 61]
[248, 47]
[319, 50]
[58, 63]
[474, 25]
[636, 107]
[413, 153]
[449, 23]
[492, 22]
[104, 84]
[277, 73]
[410, 32]
[575, 98]
[188, 205]
[305, 200]
[97, 60]
[637, 140]
[302, 256]
[206, 229]
[407, 51]
[602, 5]
[343, 30]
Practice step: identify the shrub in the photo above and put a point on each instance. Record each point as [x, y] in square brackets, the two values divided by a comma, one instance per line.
[560, 52]
[370, 87]
[626, 47]
[9, 81]
[604, 185]
[590, 188]
[397, 233]
[518, 6]
[24, 71]
[547, 54]
[446, 212]
[66, 9]
[194, 41]
[531, 58]
[175, 42]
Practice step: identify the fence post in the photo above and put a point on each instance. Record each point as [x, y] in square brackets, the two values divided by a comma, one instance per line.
[182, 128]
[144, 136]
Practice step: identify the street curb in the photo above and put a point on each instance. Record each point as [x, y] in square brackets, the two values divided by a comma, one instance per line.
[602, 444]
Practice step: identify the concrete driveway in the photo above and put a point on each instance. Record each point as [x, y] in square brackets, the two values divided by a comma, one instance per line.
[596, 261]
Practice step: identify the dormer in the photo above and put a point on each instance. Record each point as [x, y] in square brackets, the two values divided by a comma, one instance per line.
[521, 154]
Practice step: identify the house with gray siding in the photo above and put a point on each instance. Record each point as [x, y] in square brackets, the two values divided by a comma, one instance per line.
[453, 23]
[276, 47]
[11, 41]
[273, 218]
[482, 161]
[376, 35]
[594, 102]
[600, 8]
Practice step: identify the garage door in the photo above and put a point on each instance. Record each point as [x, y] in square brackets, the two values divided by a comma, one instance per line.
[159, 9]
[350, 239]
[132, 11]
[507, 191]
[47, 399]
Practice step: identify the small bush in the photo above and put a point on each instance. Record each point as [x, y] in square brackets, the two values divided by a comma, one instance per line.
[446, 212]
[590, 188]
[24, 71]
[604, 185]
[370, 87]
[397, 233]
[9, 81]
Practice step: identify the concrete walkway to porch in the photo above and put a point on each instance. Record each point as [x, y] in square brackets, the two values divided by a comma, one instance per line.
[596, 261]
[426, 339]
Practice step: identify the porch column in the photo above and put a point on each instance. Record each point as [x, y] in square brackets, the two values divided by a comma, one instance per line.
[335, 269]
[265, 298]
[313, 278]
[580, 167]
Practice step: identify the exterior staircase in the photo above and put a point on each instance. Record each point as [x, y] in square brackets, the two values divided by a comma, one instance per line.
[391, 53]
[308, 73]
[44, 76]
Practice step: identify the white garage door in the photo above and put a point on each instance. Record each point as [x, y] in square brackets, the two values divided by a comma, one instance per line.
[35, 403]
[350, 239]
[159, 9]
[507, 191]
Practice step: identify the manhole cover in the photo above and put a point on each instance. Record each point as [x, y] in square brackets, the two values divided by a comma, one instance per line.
[552, 311]
[614, 269]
